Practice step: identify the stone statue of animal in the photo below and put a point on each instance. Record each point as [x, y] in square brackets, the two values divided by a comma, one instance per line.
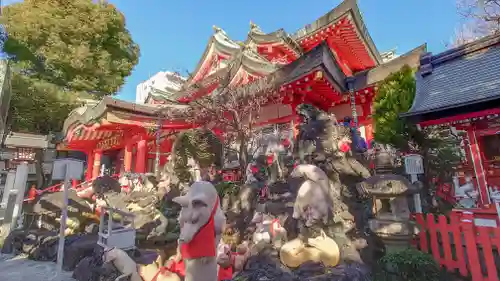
[201, 222]
[312, 203]
[123, 262]
[154, 272]
[322, 249]
[269, 230]
[241, 256]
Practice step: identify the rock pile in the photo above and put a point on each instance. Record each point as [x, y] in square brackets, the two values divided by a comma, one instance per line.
[42, 246]
[266, 267]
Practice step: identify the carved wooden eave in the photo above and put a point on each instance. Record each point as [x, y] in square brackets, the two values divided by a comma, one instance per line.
[109, 116]
[220, 47]
[344, 30]
[157, 96]
[277, 47]
[248, 66]
[244, 67]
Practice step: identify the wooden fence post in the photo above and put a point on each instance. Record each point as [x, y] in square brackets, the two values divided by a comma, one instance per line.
[459, 243]
[424, 246]
[432, 226]
[469, 232]
[484, 240]
[445, 239]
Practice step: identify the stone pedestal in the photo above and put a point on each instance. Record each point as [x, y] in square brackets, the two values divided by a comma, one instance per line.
[396, 235]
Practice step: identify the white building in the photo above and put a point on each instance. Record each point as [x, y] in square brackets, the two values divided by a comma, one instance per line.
[166, 81]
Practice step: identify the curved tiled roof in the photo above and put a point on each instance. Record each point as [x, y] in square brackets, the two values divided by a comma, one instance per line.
[462, 78]
[347, 7]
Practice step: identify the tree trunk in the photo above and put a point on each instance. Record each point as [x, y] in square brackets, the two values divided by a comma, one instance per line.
[243, 156]
[40, 175]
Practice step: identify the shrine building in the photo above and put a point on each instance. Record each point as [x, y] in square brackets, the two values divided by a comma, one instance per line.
[459, 90]
[331, 63]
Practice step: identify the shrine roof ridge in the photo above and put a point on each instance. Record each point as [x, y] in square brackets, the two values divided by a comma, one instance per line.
[346, 7]
[85, 114]
[461, 80]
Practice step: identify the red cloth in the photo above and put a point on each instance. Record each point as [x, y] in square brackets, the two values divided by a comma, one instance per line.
[274, 224]
[286, 143]
[203, 243]
[32, 194]
[345, 147]
[254, 169]
[179, 269]
[270, 159]
[225, 273]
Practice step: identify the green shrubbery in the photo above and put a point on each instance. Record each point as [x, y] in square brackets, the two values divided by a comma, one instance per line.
[407, 265]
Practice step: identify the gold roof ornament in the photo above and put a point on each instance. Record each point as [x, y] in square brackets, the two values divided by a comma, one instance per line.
[216, 28]
[253, 25]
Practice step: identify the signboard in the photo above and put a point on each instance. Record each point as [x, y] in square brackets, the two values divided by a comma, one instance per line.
[7, 155]
[414, 164]
[110, 142]
[74, 169]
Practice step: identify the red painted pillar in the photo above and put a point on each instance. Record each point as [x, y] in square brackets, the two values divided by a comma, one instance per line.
[90, 165]
[140, 162]
[96, 170]
[369, 132]
[478, 167]
[127, 158]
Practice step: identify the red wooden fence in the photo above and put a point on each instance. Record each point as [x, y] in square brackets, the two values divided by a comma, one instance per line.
[457, 244]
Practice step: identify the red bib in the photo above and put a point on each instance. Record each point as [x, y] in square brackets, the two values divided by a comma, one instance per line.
[203, 243]
[225, 273]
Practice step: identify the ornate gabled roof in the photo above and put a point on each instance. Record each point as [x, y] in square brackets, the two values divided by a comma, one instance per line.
[111, 111]
[345, 27]
[170, 90]
[290, 50]
[248, 65]
[220, 46]
[318, 59]
[461, 80]
[243, 67]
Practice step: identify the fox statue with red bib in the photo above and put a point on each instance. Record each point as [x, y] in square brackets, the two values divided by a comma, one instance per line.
[201, 220]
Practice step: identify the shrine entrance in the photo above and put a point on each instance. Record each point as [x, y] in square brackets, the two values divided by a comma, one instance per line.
[112, 161]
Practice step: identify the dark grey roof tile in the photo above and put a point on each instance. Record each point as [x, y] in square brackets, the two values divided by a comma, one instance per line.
[460, 81]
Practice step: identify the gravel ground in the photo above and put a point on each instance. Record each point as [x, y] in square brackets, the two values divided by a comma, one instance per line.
[19, 268]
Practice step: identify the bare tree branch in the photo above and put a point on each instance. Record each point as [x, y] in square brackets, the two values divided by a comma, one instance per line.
[479, 18]
[232, 110]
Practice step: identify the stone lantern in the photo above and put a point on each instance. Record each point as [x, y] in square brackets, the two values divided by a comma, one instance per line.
[392, 197]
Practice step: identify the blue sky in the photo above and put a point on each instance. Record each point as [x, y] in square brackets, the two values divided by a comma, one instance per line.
[173, 34]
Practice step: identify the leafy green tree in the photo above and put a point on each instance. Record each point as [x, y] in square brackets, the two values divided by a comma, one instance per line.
[61, 51]
[395, 96]
[440, 150]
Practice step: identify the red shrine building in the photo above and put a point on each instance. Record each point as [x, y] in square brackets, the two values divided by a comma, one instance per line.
[459, 90]
[331, 63]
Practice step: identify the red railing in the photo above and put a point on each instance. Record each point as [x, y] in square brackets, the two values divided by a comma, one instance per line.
[459, 245]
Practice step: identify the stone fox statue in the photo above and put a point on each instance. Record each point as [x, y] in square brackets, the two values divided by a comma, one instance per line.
[312, 204]
[201, 220]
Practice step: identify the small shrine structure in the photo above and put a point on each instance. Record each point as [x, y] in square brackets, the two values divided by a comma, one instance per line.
[331, 63]
[459, 90]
